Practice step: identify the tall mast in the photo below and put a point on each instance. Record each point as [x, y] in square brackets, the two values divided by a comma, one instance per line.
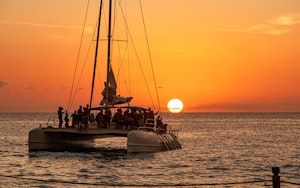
[108, 51]
[96, 54]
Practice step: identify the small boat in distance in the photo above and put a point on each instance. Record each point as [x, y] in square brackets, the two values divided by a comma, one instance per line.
[144, 129]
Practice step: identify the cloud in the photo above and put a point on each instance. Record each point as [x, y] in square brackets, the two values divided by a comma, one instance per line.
[2, 84]
[274, 26]
[227, 107]
[268, 29]
[87, 30]
[285, 20]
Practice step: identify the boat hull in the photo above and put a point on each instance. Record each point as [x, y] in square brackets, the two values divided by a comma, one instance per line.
[40, 140]
[67, 139]
[150, 141]
[71, 139]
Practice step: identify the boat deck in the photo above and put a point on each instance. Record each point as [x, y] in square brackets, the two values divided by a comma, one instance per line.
[89, 131]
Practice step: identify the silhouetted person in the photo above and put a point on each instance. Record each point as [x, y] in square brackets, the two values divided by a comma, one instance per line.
[80, 115]
[60, 118]
[117, 118]
[74, 119]
[85, 119]
[100, 118]
[66, 120]
[107, 118]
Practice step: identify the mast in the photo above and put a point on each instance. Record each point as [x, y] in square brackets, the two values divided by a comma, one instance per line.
[108, 51]
[110, 86]
[96, 54]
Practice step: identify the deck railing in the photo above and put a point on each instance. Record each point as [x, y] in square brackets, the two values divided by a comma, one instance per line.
[50, 122]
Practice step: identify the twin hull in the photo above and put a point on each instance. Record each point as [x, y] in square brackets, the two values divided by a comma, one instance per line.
[70, 139]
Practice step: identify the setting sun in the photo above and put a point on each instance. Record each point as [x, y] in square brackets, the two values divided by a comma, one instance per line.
[175, 105]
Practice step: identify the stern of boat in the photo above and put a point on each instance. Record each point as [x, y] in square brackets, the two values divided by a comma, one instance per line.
[151, 141]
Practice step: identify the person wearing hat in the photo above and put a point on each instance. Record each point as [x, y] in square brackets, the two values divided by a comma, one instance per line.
[60, 116]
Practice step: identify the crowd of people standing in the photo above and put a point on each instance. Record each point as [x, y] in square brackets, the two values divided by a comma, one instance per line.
[127, 119]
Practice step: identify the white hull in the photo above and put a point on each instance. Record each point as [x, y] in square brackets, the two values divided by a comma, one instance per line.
[150, 141]
[67, 139]
[61, 139]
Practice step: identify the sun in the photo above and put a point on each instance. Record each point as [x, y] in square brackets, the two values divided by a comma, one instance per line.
[175, 105]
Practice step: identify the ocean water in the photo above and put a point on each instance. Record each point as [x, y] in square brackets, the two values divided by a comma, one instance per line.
[218, 150]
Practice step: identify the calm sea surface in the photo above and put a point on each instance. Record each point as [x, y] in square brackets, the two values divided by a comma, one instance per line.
[219, 150]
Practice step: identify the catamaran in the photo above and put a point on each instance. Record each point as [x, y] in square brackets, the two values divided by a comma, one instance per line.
[144, 133]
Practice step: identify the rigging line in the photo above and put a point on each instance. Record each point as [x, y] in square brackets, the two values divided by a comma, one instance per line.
[138, 59]
[120, 65]
[78, 55]
[113, 30]
[150, 57]
[116, 12]
[85, 60]
[123, 56]
[121, 68]
[128, 86]
[128, 58]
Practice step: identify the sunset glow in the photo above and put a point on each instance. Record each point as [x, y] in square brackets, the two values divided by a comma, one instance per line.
[216, 56]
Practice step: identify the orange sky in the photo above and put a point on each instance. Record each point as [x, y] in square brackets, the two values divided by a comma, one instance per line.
[216, 56]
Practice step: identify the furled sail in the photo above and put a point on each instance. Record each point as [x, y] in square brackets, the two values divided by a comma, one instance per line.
[111, 79]
[109, 93]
